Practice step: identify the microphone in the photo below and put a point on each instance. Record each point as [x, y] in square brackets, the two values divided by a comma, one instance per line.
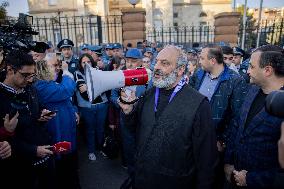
[61, 147]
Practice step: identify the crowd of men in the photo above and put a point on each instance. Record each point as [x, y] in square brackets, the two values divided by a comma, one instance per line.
[200, 122]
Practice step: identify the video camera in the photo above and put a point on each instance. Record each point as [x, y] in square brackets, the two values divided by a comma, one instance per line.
[17, 36]
[274, 103]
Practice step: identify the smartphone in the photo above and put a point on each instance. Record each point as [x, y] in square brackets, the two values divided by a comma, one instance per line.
[51, 113]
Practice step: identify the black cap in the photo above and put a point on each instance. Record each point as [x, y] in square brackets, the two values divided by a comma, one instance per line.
[65, 43]
[40, 47]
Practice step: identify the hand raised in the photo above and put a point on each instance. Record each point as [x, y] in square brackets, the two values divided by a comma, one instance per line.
[11, 124]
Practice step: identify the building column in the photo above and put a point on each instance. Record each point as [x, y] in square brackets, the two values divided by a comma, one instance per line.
[148, 5]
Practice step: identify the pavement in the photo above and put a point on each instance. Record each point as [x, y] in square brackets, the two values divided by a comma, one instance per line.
[100, 174]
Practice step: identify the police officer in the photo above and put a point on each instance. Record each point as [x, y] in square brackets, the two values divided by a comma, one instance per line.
[96, 52]
[238, 56]
[65, 47]
[191, 54]
[85, 48]
[108, 54]
[117, 50]
[242, 66]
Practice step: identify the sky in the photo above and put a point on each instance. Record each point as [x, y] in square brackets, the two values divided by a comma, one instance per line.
[17, 6]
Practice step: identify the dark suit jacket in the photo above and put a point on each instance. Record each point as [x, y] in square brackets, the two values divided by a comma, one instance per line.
[254, 147]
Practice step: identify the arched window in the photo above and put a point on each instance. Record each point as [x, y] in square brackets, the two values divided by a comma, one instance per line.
[202, 14]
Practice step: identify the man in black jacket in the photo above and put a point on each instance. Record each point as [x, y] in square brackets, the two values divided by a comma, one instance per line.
[31, 165]
[176, 142]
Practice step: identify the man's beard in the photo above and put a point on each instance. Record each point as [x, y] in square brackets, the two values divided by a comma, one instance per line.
[166, 81]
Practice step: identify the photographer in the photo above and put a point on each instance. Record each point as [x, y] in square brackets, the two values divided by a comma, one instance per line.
[31, 165]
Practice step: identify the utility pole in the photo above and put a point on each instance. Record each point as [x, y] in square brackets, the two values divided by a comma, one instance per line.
[235, 6]
[258, 24]
[244, 25]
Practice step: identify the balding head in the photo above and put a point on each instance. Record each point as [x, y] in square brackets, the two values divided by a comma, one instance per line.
[171, 54]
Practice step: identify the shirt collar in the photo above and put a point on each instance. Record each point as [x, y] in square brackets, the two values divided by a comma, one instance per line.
[11, 89]
[211, 77]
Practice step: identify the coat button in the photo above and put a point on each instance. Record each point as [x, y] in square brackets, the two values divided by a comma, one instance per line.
[242, 141]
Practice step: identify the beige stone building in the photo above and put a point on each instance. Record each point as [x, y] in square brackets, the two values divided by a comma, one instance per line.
[268, 15]
[158, 12]
[198, 12]
[57, 19]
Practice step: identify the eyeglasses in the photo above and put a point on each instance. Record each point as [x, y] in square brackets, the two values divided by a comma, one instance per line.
[27, 76]
[146, 61]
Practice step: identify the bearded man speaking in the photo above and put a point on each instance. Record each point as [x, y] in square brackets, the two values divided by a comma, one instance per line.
[176, 142]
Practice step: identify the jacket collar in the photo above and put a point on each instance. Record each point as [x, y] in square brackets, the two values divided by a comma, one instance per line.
[254, 90]
[258, 118]
[225, 75]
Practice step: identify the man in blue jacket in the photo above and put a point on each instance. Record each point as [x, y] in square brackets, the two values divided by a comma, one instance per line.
[223, 87]
[251, 159]
[225, 90]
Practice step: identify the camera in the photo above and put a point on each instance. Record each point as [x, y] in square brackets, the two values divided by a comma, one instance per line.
[274, 103]
[17, 36]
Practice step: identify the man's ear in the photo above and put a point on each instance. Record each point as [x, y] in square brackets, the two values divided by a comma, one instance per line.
[10, 70]
[268, 70]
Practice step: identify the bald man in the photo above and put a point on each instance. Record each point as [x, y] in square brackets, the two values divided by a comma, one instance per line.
[176, 143]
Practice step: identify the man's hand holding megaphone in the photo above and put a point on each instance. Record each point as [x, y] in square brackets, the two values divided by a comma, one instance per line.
[126, 107]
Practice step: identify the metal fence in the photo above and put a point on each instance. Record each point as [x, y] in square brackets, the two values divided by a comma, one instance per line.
[97, 30]
[270, 32]
[185, 36]
[80, 29]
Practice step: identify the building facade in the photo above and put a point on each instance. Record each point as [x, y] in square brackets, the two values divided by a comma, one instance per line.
[158, 12]
[268, 15]
[77, 20]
